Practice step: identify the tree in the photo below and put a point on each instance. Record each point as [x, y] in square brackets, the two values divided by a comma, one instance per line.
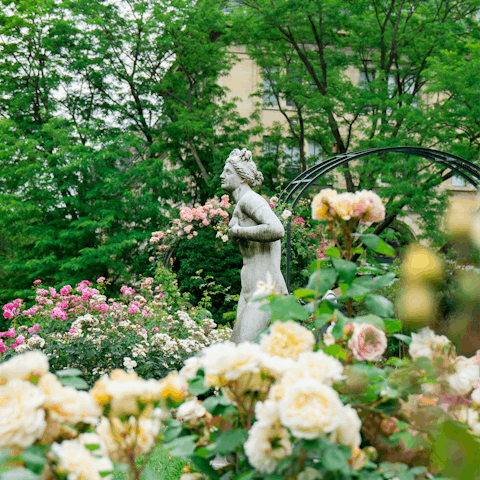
[110, 113]
[358, 75]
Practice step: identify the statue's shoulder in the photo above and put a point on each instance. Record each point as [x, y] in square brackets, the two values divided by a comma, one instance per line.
[252, 201]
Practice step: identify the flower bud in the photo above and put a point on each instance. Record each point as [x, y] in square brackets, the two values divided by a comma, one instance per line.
[348, 329]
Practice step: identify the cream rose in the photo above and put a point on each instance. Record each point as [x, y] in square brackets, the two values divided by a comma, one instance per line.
[22, 418]
[427, 344]
[268, 442]
[25, 366]
[310, 409]
[317, 365]
[78, 463]
[367, 342]
[287, 339]
[191, 411]
[348, 432]
[465, 377]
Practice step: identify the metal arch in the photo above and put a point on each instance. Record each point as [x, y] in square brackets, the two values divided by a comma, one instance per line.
[295, 189]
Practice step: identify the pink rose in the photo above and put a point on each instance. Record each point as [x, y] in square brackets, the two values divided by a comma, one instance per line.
[66, 290]
[151, 259]
[3, 347]
[155, 329]
[36, 282]
[20, 339]
[367, 342]
[34, 328]
[100, 279]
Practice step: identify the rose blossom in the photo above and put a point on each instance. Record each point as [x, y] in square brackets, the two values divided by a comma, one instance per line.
[367, 342]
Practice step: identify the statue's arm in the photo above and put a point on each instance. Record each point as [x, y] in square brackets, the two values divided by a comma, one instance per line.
[268, 228]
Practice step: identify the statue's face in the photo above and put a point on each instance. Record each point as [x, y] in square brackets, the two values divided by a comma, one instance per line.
[230, 178]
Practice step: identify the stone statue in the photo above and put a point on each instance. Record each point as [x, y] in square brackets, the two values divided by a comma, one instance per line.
[258, 231]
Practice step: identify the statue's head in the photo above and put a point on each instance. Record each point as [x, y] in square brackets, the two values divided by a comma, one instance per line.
[245, 167]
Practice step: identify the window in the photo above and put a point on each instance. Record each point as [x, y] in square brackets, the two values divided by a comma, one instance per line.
[366, 77]
[269, 98]
[292, 158]
[270, 149]
[458, 181]
[315, 150]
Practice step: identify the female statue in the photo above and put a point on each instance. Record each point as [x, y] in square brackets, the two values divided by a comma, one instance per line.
[258, 231]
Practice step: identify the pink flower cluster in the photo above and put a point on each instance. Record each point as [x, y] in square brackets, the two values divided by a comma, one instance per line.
[191, 219]
[366, 206]
[12, 309]
[127, 290]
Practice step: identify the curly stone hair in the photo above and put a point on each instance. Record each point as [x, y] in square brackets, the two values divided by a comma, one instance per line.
[245, 166]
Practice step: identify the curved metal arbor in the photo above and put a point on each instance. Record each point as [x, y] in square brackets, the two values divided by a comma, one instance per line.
[296, 189]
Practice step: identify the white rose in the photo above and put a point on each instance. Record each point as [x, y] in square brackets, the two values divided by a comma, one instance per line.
[223, 362]
[267, 445]
[348, 432]
[328, 338]
[190, 368]
[191, 411]
[30, 364]
[310, 409]
[427, 344]
[66, 404]
[225, 238]
[287, 339]
[78, 462]
[286, 214]
[465, 377]
[316, 365]
[22, 418]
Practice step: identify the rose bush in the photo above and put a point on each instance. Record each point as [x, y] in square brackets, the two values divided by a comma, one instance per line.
[152, 331]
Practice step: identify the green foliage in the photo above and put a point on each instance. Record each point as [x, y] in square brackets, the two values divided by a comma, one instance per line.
[100, 126]
[361, 75]
[220, 266]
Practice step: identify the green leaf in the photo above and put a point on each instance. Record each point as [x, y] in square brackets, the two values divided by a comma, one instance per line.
[4, 455]
[211, 403]
[74, 382]
[342, 320]
[92, 447]
[336, 351]
[392, 325]
[322, 280]
[286, 307]
[19, 474]
[35, 460]
[69, 372]
[356, 291]
[375, 243]
[403, 338]
[182, 447]
[346, 270]
[171, 433]
[382, 281]
[204, 466]
[197, 387]
[379, 305]
[335, 459]
[228, 441]
[372, 319]
[322, 319]
[333, 252]
[304, 293]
